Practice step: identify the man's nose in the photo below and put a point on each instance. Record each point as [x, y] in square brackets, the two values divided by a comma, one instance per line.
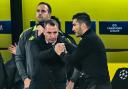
[73, 29]
[52, 35]
[40, 12]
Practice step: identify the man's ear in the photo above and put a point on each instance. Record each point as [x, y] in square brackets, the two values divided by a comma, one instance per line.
[49, 16]
[83, 26]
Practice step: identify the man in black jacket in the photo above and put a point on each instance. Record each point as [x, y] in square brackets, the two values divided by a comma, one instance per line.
[90, 57]
[42, 48]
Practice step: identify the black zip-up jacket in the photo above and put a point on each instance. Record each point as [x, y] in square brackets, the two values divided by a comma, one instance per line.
[90, 58]
[22, 53]
[49, 70]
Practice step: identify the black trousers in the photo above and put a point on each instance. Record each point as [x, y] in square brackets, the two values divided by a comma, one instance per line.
[18, 85]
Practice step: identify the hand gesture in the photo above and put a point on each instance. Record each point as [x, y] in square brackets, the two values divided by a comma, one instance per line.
[59, 48]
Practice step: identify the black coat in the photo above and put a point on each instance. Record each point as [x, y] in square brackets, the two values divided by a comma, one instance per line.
[22, 57]
[49, 68]
[25, 60]
[90, 58]
[2, 74]
[13, 78]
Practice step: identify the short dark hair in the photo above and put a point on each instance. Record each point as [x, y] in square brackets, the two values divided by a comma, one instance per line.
[49, 7]
[52, 22]
[83, 18]
[57, 20]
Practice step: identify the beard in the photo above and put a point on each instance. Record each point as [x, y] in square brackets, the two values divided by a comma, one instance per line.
[52, 41]
[79, 33]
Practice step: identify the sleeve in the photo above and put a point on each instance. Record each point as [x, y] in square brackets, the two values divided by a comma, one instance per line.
[48, 55]
[72, 73]
[76, 74]
[82, 51]
[20, 57]
[69, 45]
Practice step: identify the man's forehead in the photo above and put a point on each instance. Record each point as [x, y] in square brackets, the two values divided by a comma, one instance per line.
[74, 21]
[42, 6]
[51, 28]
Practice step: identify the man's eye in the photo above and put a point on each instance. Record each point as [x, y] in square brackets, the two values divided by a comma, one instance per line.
[49, 32]
[37, 10]
[44, 11]
[55, 32]
[73, 24]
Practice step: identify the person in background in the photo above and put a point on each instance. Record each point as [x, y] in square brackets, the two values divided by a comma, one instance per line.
[89, 57]
[2, 73]
[24, 65]
[14, 81]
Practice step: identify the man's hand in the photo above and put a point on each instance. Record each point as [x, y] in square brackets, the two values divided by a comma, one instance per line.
[27, 82]
[40, 30]
[12, 49]
[70, 85]
[59, 48]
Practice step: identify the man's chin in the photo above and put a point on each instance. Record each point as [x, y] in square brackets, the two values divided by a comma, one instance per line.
[77, 35]
[40, 20]
[51, 42]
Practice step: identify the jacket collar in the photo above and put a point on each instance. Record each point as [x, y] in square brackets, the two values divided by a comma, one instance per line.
[86, 33]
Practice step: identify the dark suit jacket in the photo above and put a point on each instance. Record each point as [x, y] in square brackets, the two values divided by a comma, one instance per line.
[90, 58]
[50, 72]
